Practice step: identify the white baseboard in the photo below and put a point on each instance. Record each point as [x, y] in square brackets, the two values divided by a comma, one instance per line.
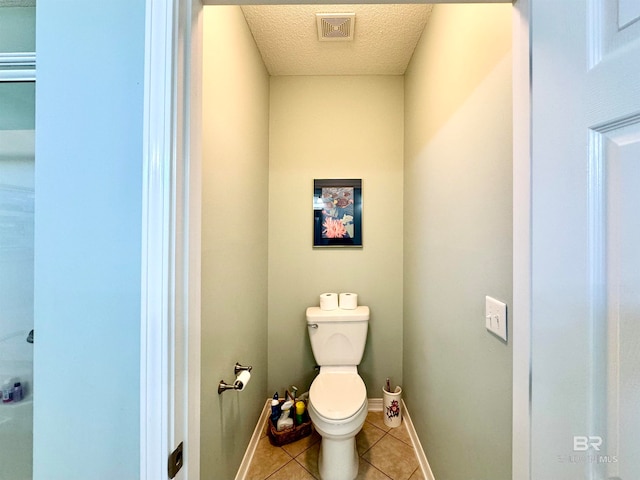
[375, 405]
[417, 446]
[253, 443]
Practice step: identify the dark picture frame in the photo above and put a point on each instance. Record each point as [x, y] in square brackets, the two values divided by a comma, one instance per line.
[337, 213]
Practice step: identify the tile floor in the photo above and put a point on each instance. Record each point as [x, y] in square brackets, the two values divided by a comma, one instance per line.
[385, 453]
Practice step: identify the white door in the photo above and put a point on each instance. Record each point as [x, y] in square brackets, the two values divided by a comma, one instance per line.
[585, 224]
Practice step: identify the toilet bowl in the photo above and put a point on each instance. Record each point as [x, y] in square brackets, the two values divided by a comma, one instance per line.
[338, 408]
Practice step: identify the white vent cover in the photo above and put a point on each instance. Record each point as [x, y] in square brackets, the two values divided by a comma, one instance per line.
[335, 26]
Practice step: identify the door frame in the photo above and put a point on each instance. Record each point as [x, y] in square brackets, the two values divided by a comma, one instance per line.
[522, 262]
[172, 117]
[157, 230]
[170, 279]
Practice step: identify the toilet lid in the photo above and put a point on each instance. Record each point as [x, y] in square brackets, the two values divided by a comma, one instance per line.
[337, 396]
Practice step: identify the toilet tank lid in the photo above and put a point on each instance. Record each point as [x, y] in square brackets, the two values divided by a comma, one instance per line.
[317, 315]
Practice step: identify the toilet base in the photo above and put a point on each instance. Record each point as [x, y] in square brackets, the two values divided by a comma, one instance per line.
[343, 463]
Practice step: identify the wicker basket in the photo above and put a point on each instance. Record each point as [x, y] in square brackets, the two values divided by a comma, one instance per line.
[289, 435]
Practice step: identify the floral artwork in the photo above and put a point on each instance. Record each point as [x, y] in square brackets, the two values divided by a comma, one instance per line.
[337, 213]
[393, 410]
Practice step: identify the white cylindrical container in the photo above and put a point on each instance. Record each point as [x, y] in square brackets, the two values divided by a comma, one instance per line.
[329, 301]
[392, 407]
[348, 301]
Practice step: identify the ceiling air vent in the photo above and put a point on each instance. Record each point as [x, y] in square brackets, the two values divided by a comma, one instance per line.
[335, 26]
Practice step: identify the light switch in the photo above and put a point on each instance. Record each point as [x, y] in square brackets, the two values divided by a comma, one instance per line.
[496, 317]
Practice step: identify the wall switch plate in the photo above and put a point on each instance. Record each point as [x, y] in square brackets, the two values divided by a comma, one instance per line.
[496, 317]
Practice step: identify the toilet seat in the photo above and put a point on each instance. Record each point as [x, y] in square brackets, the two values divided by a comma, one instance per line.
[337, 396]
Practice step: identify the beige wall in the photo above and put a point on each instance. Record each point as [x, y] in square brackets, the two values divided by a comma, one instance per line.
[234, 236]
[335, 127]
[457, 240]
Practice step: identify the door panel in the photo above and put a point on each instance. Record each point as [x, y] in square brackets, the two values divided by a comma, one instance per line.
[621, 157]
[628, 12]
[613, 25]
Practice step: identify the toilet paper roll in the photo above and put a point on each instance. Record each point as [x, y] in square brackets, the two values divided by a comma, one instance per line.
[328, 301]
[348, 301]
[242, 380]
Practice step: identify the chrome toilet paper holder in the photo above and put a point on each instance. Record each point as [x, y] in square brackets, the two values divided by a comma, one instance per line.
[237, 385]
[240, 368]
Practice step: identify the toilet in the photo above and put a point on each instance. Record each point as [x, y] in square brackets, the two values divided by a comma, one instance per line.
[338, 396]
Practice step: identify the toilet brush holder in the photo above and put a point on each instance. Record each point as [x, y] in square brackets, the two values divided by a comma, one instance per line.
[392, 407]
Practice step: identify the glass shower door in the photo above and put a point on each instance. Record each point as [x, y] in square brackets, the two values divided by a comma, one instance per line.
[16, 278]
[17, 162]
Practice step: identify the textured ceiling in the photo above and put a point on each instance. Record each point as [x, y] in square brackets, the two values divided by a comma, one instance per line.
[384, 40]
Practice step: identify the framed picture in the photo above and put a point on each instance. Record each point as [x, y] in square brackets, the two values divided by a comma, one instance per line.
[337, 213]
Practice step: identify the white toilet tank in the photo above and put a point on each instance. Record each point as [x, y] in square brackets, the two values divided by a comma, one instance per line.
[338, 336]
